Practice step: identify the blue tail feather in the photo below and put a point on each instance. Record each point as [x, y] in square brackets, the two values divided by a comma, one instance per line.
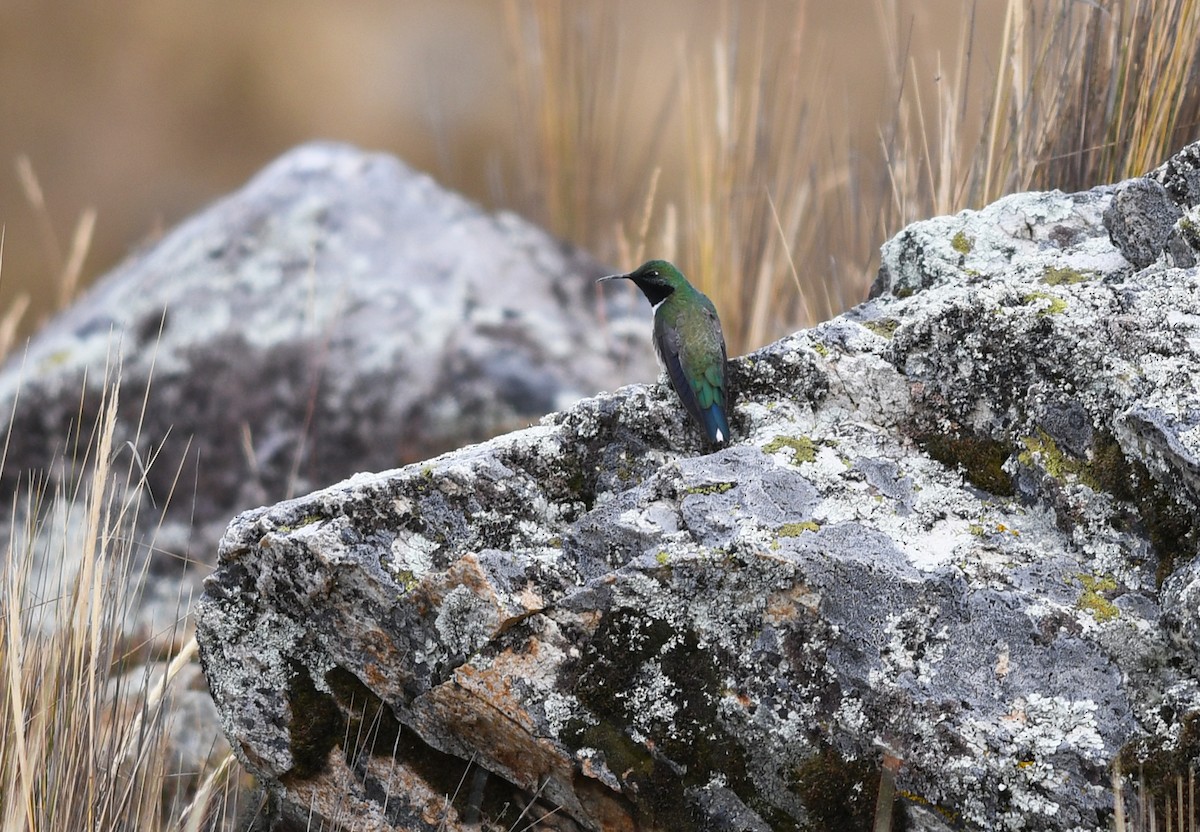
[715, 424]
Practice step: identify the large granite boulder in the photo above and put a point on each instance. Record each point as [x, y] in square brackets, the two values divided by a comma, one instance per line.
[953, 541]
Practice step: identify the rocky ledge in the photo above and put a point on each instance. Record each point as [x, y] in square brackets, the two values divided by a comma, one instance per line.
[953, 541]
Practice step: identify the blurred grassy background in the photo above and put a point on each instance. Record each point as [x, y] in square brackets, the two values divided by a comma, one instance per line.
[145, 111]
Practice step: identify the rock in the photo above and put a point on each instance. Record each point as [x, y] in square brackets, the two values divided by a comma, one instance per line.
[1140, 219]
[340, 313]
[956, 528]
[1156, 213]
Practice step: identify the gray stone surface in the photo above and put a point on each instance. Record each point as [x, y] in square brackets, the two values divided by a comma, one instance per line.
[957, 526]
[1140, 219]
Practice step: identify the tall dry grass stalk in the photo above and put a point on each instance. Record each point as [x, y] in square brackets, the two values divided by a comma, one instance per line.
[772, 208]
[66, 270]
[753, 177]
[575, 159]
[1083, 94]
[83, 741]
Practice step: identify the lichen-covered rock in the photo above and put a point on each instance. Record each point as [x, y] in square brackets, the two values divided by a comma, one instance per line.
[955, 532]
[1140, 219]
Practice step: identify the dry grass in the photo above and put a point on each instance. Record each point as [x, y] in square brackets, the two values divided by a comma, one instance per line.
[775, 213]
[776, 219]
[85, 736]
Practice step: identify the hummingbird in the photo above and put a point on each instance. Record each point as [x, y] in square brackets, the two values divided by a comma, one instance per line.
[689, 343]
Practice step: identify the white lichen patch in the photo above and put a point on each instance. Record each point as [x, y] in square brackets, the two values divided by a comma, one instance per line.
[652, 702]
[412, 554]
[465, 622]
[561, 708]
[850, 716]
[914, 644]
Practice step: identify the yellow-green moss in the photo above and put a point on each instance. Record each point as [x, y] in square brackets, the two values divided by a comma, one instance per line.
[407, 580]
[1092, 601]
[803, 449]
[1056, 276]
[797, 529]
[962, 243]
[981, 459]
[821, 350]
[662, 558]
[1055, 305]
[884, 327]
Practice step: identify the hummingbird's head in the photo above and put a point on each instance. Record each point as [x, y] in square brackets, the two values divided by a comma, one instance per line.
[657, 279]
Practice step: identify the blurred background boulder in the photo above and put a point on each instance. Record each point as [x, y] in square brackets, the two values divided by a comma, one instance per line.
[340, 313]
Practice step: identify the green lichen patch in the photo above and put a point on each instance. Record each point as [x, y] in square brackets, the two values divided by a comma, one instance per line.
[992, 529]
[912, 797]
[803, 449]
[797, 529]
[821, 350]
[1190, 232]
[962, 243]
[1170, 526]
[1061, 276]
[979, 458]
[662, 558]
[884, 327]
[406, 579]
[1149, 509]
[1042, 451]
[1054, 305]
[1092, 601]
[306, 520]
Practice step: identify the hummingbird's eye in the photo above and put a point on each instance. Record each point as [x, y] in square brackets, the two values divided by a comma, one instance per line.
[653, 274]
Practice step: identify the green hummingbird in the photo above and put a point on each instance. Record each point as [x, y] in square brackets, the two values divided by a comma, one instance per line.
[688, 339]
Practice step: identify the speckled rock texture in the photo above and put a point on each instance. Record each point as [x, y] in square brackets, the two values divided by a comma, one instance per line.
[955, 534]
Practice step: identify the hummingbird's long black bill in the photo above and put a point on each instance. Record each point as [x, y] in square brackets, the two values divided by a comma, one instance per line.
[611, 277]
